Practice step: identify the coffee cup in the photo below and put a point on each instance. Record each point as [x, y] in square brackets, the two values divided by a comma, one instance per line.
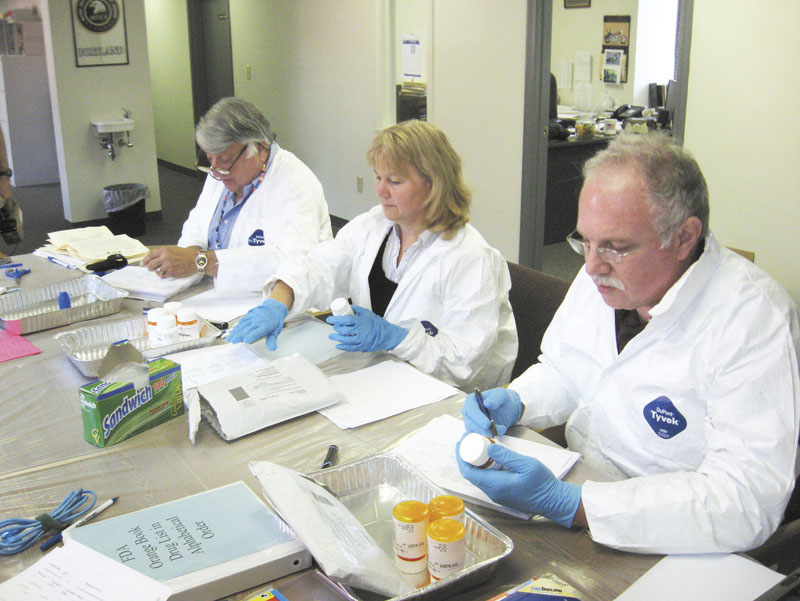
[610, 126]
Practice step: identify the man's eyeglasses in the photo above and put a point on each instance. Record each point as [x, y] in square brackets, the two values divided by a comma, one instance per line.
[582, 247]
[203, 164]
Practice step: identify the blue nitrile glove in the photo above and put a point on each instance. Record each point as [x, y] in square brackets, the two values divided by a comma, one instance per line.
[365, 331]
[265, 320]
[525, 484]
[504, 406]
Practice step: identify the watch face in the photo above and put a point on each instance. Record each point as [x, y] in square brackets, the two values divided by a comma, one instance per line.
[201, 260]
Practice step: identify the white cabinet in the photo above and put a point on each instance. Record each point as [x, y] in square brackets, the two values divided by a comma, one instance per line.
[27, 120]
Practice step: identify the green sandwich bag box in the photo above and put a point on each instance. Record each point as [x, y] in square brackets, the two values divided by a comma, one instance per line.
[130, 396]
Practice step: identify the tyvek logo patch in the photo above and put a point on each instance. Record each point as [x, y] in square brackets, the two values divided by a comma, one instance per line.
[664, 417]
[430, 329]
[256, 238]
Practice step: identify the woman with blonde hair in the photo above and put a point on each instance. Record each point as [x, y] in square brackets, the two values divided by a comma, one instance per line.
[425, 285]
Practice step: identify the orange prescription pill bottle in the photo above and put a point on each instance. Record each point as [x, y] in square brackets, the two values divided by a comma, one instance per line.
[410, 536]
[447, 548]
[446, 506]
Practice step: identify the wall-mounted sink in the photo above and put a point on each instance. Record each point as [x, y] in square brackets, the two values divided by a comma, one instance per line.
[109, 127]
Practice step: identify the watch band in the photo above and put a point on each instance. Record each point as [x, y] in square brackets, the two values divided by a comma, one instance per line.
[6, 172]
[201, 260]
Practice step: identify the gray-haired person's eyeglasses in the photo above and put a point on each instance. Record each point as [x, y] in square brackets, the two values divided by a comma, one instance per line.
[213, 171]
[582, 247]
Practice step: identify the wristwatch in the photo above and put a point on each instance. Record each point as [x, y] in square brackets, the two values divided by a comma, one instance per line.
[201, 260]
[6, 172]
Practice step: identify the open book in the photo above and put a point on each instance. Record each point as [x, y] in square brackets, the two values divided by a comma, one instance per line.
[432, 450]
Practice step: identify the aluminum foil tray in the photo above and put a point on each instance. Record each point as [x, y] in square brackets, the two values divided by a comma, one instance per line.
[87, 347]
[370, 489]
[33, 309]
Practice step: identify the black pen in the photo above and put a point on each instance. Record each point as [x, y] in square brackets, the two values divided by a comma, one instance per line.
[479, 398]
[330, 456]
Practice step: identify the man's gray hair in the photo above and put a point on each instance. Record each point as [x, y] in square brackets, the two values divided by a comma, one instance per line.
[231, 121]
[670, 174]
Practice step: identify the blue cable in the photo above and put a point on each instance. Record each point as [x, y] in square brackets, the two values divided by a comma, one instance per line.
[17, 534]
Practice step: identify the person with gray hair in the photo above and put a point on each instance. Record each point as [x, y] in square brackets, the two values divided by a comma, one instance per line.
[260, 204]
[673, 362]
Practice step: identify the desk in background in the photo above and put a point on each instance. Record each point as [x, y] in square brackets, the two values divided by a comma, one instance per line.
[43, 456]
[565, 159]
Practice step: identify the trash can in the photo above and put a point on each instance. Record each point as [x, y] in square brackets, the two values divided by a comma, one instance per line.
[125, 205]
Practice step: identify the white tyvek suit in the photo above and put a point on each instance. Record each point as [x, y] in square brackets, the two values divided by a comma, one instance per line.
[699, 412]
[287, 212]
[458, 285]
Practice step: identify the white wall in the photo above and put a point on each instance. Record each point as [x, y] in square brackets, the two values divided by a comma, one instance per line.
[413, 17]
[479, 88]
[82, 95]
[740, 125]
[319, 85]
[655, 46]
[170, 69]
[581, 30]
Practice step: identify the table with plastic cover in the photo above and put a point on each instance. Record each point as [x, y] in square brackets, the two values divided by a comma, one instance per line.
[43, 456]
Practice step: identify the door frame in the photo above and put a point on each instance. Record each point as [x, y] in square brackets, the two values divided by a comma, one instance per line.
[533, 194]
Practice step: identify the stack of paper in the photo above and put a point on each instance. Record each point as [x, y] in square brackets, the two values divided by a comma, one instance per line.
[145, 284]
[432, 450]
[79, 246]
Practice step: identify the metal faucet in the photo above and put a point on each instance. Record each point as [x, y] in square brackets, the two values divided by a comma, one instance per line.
[108, 144]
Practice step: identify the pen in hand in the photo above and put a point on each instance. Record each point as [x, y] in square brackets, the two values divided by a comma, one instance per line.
[485, 411]
[330, 456]
[79, 522]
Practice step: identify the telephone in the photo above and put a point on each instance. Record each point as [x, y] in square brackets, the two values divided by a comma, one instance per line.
[627, 111]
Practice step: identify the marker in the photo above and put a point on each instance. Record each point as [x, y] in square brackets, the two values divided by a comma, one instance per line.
[79, 522]
[479, 398]
[330, 456]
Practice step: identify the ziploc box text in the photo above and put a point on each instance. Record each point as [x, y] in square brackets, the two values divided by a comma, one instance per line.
[114, 411]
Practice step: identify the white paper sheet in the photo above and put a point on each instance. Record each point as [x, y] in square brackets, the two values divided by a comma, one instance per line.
[432, 450]
[702, 578]
[215, 305]
[99, 248]
[75, 573]
[204, 365]
[383, 390]
[62, 238]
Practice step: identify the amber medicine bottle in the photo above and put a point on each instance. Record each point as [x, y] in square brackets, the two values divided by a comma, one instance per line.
[447, 548]
[446, 506]
[410, 536]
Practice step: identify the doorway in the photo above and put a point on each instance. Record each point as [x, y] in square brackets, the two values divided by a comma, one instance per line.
[211, 54]
[535, 134]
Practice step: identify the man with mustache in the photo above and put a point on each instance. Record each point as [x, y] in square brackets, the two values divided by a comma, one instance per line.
[673, 362]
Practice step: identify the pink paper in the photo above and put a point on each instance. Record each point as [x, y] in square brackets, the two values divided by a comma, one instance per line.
[12, 347]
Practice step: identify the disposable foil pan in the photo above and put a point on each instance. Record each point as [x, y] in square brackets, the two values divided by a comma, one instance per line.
[370, 489]
[33, 309]
[87, 347]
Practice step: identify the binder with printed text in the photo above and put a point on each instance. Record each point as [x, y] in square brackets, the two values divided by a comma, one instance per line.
[204, 547]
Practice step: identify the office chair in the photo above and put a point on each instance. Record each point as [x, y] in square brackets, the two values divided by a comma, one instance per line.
[534, 298]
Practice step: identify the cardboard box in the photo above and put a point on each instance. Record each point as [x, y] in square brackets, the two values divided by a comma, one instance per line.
[113, 411]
